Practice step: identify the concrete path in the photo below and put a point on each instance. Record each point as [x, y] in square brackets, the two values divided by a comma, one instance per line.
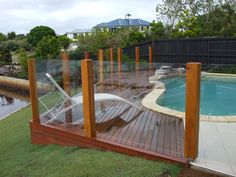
[217, 147]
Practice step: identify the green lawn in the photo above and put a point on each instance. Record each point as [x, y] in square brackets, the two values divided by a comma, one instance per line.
[19, 158]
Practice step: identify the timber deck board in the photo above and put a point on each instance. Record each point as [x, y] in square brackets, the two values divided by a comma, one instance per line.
[122, 124]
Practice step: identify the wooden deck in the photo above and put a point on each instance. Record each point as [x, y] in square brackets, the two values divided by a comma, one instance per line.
[120, 127]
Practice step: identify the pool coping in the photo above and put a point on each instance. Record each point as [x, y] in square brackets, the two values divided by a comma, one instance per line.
[149, 101]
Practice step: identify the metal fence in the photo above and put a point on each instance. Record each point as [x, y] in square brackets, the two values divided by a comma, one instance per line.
[204, 50]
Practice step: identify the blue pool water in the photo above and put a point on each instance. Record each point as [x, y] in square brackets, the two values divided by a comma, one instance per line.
[218, 96]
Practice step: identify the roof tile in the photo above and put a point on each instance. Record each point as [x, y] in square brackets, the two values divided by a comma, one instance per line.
[123, 23]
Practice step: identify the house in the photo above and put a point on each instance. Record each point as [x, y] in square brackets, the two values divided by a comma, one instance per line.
[112, 26]
[73, 34]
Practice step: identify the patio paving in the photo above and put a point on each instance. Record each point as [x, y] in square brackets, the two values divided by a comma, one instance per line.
[217, 147]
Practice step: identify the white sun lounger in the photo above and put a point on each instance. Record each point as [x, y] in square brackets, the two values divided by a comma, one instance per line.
[79, 99]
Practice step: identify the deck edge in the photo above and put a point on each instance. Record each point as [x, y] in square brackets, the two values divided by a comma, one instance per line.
[46, 134]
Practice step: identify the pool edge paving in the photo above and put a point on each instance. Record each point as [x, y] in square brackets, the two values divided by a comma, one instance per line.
[149, 101]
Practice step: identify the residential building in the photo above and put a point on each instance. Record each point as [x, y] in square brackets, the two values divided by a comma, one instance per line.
[73, 34]
[112, 26]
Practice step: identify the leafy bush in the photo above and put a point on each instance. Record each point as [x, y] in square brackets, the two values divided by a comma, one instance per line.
[49, 47]
[12, 45]
[5, 55]
[11, 35]
[103, 39]
[23, 59]
[64, 41]
[2, 37]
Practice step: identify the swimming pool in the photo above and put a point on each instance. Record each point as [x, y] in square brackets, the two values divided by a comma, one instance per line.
[218, 95]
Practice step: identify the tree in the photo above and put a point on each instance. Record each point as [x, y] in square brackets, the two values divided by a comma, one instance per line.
[20, 36]
[11, 45]
[37, 33]
[23, 59]
[96, 40]
[2, 37]
[103, 39]
[157, 30]
[64, 41]
[99, 39]
[22, 43]
[11, 35]
[5, 55]
[48, 48]
[170, 12]
[134, 37]
[187, 26]
[221, 21]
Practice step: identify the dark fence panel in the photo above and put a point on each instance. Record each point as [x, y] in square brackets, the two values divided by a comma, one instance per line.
[180, 51]
[74, 55]
[129, 51]
[143, 48]
[204, 50]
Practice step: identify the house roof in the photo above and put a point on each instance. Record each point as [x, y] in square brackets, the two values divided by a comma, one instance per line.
[123, 23]
[78, 31]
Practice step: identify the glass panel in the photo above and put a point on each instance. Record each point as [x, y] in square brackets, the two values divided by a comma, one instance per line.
[129, 116]
[56, 97]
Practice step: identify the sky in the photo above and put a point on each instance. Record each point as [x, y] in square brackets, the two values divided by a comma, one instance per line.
[67, 15]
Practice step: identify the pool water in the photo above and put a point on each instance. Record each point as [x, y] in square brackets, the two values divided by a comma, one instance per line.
[218, 96]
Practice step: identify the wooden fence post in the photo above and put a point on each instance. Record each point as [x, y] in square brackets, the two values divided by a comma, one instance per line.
[88, 97]
[119, 59]
[86, 55]
[66, 83]
[100, 58]
[193, 79]
[101, 76]
[137, 58]
[119, 62]
[111, 52]
[150, 56]
[33, 90]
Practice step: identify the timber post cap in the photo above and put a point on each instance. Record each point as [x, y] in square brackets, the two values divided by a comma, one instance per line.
[87, 59]
[189, 64]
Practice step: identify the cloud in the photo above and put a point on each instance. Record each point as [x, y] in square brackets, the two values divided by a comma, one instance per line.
[63, 16]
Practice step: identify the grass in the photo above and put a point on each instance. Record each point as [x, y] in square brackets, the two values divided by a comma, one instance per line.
[19, 158]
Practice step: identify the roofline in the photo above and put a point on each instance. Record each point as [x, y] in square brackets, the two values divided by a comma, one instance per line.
[104, 24]
[119, 26]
